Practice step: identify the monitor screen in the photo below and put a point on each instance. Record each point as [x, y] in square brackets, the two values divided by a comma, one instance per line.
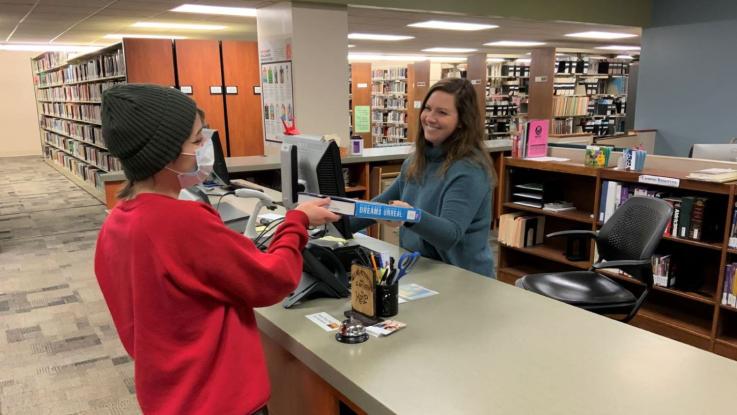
[313, 165]
[220, 168]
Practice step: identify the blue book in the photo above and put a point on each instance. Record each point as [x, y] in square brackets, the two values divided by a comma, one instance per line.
[364, 209]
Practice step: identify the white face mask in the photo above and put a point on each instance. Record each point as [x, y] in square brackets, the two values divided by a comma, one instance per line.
[205, 158]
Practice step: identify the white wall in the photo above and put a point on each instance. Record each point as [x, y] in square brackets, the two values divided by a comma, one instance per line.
[18, 115]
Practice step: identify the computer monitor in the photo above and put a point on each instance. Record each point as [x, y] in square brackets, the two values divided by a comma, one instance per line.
[220, 168]
[312, 164]
[723, 152]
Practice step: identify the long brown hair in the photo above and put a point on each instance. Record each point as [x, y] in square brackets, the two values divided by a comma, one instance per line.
[467, 142]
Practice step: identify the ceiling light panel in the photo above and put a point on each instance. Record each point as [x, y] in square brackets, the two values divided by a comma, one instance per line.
[445, 25]
[618, 47]
[227, 11]
[514, 43]
[450, 50]
[601, 35]
[376, 36]
[181, 26]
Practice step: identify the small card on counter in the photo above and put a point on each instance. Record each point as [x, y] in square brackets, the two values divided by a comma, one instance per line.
[325, 321]
[411, 292]
[385, 328]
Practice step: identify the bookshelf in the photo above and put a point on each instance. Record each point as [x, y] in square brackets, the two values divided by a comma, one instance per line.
[389, 108]
[691, 311]
[68, 96]
[507, 93]
[589, 96]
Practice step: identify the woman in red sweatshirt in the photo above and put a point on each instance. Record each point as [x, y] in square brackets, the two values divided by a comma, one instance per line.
[180, 285]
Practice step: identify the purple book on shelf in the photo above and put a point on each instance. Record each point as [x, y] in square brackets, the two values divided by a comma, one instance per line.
[537, 138]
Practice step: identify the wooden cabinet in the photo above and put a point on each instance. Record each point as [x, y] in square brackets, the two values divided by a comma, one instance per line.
[149, 61]
[198, 68]
[691, 311]
[242, 105]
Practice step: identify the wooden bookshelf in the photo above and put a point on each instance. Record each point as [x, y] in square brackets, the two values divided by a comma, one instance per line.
[694, 315]
[389, 89]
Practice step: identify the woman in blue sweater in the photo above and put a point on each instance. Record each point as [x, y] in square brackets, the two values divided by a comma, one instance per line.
[451, 178]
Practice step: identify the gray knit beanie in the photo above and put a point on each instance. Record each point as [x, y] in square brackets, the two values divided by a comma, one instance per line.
[145, 126]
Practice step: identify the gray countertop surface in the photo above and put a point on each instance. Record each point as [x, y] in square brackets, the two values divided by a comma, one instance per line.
[485, 347]
[272, 162]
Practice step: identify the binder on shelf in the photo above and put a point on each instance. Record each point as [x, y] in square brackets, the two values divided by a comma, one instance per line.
[365, 209]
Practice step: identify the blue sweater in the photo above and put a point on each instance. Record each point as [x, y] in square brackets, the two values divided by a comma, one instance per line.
[456, 212]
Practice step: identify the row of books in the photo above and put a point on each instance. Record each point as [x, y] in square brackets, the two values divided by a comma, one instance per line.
[84, 171]
[568, 106]
[389, 102]
[729, 292]
[100, 66]
[48, 78]
[587, 66]
[80, 92]
[497, 126]
[389, 74]
[389, 88]
[565, 126]
[609, 67]
[49, 60]
[521, 229]
[84, 112]
[572, 67]
[608, 106]
[533, 142]
[507, 69]
[602, 126]
[85, 132]
[90, 154]
[694, 217]
[500, 107]
[565, 86]
[389, 132]
[382, 117]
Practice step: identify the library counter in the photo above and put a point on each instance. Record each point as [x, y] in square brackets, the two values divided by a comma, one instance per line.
[370, 155]
[484, 347]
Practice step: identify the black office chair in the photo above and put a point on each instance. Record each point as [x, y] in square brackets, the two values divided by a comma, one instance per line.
[626, 242]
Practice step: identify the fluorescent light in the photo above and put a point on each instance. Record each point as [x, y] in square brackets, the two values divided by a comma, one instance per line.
[523, 60]
[625, 57]
[373, 36]
[618, 47]
[129, 35]
[447, 59]
[495, 59]
[450, 50]
[202, 9]
[46, 47]
[183, 26]
[351, 46]
[513, 43]
[380, 57]
[601, 35]
[443, 25]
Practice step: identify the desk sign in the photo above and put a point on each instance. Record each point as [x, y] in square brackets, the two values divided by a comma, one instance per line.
[659, 180]
[216, 90]
[362, 290]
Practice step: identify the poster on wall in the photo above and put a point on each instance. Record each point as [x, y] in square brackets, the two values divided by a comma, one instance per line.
[276, 97]
[274, 49]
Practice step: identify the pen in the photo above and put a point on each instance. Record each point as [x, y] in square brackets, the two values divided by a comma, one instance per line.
[376, 269]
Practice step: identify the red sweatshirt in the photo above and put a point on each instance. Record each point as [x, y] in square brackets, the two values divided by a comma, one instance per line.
[181, 288]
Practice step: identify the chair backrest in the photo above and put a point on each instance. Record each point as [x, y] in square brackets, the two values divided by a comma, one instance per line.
[633, 232]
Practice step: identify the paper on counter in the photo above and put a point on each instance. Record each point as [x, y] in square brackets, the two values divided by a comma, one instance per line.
[411, 292]
[325, 321]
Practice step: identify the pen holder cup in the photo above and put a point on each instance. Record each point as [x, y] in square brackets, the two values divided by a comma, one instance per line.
[387, 300]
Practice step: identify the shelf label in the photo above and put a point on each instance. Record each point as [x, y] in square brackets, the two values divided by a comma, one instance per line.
[186, 89]
[541, 79]
[256, 90]
[475, 81]
[231, 90]
[421, 84]
[362, 85]
[659, 180]
[216, 90]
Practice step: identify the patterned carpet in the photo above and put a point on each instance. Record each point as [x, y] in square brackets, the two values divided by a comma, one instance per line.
[59, 353]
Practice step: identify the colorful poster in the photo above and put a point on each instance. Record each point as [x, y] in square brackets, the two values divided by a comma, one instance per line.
[276, 98]
[362, 119]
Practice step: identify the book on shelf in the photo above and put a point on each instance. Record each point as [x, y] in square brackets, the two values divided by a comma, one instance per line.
[662, 277]
[729, 292]
[521, 230]
[718, 175]
[732, 242]
[559, 206]
[365, 209]
[537, 138]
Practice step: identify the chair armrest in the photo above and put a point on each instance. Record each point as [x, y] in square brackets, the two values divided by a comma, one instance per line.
[620, 263]
[578, 232]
